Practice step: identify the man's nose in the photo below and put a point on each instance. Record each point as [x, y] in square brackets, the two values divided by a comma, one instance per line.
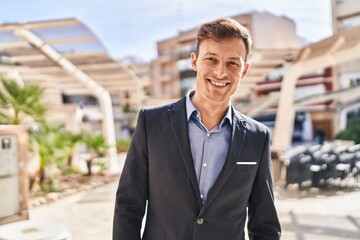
[220, 71]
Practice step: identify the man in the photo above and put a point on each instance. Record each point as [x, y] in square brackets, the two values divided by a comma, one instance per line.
[201, 166]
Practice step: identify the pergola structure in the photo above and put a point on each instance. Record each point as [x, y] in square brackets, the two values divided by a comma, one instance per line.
[68, 54]
[342, 47]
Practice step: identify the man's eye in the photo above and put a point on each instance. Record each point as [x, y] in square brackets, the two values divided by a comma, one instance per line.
[234, 64]
[210, 59]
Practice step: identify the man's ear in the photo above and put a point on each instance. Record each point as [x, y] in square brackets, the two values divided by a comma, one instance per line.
[193, 61]
[245, 70]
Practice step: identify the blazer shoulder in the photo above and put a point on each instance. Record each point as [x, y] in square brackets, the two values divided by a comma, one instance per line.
[156, 111]
[252, 124]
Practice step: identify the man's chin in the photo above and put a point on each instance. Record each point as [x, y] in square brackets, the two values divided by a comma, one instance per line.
[217, 97]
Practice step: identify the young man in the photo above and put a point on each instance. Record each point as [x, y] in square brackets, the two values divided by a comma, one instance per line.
[202, 166]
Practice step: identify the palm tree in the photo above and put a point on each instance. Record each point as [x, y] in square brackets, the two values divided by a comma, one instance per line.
[97, 146]
[18, 102]
[54, 145]
[42, 141]
[66, 141]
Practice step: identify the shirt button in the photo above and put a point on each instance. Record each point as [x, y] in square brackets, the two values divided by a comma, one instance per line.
[208, 134]
[201, 196]
[200, 221]
[204, 164]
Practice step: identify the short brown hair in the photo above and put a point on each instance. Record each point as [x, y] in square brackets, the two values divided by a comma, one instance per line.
[224, 28]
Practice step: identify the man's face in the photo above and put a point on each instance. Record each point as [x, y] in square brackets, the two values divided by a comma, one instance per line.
[219, 66]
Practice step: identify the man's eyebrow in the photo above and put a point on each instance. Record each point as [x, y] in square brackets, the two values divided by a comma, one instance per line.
[210, 53]
[214, 54]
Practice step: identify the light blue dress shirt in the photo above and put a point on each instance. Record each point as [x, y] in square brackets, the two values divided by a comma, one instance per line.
[209, 148]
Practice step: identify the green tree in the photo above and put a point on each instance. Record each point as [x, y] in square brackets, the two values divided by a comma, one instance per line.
[66, 141]
[352, 132]
[55, 146]
[18, 102]
[42, 141]
[97, 147]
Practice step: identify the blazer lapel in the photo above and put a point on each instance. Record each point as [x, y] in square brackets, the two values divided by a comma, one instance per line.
[235, 149]
[177, 114]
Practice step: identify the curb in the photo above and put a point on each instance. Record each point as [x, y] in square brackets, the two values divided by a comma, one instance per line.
[55, 196]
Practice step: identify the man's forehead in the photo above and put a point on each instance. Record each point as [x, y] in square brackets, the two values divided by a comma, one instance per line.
[231, 48]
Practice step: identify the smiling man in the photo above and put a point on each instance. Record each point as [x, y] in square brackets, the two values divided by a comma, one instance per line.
[202, 167]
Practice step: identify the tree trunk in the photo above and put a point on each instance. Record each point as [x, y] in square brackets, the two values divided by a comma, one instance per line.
[42, 176]
[69, 160]
[32, 180]
[88, 164]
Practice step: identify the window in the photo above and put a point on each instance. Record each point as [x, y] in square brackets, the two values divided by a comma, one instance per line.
[184, 64]
[187, 84]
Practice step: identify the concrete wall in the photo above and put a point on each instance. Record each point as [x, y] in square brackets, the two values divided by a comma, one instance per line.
[273, 32]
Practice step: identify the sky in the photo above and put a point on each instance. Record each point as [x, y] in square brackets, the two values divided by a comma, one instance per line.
[132, 27]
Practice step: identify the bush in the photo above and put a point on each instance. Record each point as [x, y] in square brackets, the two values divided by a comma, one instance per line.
[352, 132]
[122, 145]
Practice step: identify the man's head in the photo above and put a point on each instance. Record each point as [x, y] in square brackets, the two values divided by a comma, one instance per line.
[222, 29]
[220, 59]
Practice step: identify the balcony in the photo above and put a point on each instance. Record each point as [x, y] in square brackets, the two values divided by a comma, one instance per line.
[167, 77]
[347, 9]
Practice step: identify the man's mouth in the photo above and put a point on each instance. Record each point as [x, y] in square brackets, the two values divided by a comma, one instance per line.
[218, 84]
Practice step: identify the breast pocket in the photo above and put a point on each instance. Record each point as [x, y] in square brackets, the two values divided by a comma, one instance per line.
[246, 166]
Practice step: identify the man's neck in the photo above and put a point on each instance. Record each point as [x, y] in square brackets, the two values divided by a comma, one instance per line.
[211, 113]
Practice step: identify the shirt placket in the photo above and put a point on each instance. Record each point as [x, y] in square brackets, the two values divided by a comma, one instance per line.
[204, 165]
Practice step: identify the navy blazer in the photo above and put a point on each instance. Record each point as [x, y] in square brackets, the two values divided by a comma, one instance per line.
[159, 171]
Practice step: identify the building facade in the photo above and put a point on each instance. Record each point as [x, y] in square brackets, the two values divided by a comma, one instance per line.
[346, 15]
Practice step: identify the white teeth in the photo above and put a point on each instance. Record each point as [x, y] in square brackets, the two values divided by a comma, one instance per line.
[218, 84]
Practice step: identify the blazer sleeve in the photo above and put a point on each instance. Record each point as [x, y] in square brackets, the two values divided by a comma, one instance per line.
[263, 221]
[132, 192]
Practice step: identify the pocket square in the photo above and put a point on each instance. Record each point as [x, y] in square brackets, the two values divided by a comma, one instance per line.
[246, 163]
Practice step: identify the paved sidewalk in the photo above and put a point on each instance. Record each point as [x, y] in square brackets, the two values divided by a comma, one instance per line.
[322, 215]
[310, 216]
[88, 215]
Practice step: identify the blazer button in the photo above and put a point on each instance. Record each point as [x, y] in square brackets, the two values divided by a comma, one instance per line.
[200, 221]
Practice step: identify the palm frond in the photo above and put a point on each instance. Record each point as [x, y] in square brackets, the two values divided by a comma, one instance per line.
[24, 100]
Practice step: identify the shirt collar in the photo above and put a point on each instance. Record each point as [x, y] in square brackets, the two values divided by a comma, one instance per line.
[190, 109]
